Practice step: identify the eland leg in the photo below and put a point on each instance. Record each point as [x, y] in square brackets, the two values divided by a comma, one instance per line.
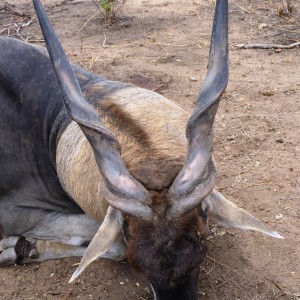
[55, 235]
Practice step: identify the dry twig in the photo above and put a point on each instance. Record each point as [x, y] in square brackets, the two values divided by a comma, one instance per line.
[104, 41]
[219, 263]
[15, 28]
[10, 7]
[93, 16]
[242, 8]
[226, 281]
[268, 46]
[247, 134]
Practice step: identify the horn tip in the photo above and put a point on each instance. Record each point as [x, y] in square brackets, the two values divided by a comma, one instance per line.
[75, 274]
[276, 235]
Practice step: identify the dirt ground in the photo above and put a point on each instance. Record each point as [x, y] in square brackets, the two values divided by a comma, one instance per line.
[163, 45]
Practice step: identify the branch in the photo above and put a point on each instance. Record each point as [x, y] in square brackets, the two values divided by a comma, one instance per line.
[268, 46]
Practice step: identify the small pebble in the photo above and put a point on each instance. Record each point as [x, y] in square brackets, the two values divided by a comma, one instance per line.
[262, 26]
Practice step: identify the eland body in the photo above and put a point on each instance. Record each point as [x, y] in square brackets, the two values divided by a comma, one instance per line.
[65, 184]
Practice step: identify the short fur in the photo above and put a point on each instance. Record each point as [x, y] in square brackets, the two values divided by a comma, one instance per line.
[152, 150]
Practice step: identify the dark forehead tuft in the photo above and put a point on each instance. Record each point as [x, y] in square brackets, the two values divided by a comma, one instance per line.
[167, 250]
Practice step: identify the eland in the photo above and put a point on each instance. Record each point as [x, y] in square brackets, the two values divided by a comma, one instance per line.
[103, 169]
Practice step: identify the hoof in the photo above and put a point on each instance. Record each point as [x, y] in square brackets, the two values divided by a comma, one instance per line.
[15, 249]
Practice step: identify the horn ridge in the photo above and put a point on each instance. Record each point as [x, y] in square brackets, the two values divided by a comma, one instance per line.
[191, 200]
[199, 126]
[77, 108]
[217, 76]
[104, 144]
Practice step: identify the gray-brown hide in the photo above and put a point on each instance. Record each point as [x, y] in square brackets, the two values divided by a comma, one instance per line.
[64, 183]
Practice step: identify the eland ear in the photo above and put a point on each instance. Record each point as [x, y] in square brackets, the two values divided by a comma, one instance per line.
[226, 213]
[108, 242]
